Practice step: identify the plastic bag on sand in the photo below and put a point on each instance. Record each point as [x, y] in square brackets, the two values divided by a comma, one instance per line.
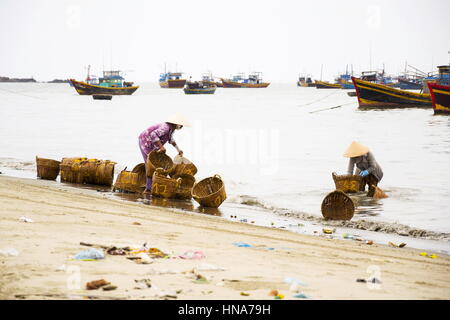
[91, 254]
[9, 252]
[25, 219]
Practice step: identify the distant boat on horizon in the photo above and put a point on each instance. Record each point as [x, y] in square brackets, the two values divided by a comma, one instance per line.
[254, 80]
[171, 80]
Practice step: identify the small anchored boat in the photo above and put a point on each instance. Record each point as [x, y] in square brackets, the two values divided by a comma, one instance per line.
[327, 85]
[199, 87]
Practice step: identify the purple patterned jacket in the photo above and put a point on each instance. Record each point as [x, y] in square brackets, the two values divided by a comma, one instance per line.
[162, 132]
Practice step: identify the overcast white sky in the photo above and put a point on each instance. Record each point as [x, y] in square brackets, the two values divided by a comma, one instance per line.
[58, 39]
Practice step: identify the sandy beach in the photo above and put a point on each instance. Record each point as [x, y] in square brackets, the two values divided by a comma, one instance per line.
[62, 218]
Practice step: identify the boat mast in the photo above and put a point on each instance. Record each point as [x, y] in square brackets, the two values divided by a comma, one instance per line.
[321, 69]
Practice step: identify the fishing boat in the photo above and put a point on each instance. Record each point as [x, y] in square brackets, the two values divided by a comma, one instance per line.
[207, 78]
[442, 77]
[254, 80]
[305, 81]
[440, 97]
[112, 83]
[374, 95]
[327, 85]
[199, 87]
[171, 80]
[345, 80]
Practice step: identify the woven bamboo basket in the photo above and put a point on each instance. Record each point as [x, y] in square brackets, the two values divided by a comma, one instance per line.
[158, 160]
[71, 170]
[184, 168]
[210, 192]
[348, 183]
[131, 181]
[337, 206]
[98, 172]
[184, 191]
[47, 169]
[162, 186]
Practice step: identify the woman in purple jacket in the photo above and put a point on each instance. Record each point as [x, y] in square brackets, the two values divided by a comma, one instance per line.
[154, 138]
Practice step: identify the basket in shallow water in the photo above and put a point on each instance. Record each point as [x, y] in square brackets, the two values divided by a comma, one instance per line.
[210, 192]
[47, 169]
[184, 190]
[71, 170]
[131, 181]
[162, 186]
[98, 172]
[337, 206]
[158, 160]
[348, 183]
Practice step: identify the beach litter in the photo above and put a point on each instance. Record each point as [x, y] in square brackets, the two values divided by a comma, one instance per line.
[114, 251]
[432, 255]
[401, 245]
[109, 287]
[143, 284]
[279, 296]
[25, 219]
[209, 267]
[143, 258]
[294, 284]
[242, 244]
[369, 242]
[328, 230]
[199, 279]
[9, 252]
[301, 296]
[245, 294]
[350, 236]
[95, 284]
[371, 280]
[273, 293]
[192, 255]
[89, 255]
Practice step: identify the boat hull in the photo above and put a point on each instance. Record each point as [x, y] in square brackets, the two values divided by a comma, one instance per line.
[409, 85]
[304, 84]
[233, 84]
[173, 84]
[84, 88]
[377, 96]
[327, 85]
[440, 97]
[200, 91]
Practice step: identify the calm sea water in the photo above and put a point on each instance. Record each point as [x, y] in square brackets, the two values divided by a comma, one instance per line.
[275, 148]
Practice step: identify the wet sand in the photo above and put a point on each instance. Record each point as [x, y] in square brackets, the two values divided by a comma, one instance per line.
[62, 218]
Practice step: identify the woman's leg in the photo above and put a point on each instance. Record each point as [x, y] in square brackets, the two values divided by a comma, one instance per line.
[148, 182]
[372, 181]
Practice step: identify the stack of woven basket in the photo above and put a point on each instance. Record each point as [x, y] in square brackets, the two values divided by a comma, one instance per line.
[175, 179]
[77, 170]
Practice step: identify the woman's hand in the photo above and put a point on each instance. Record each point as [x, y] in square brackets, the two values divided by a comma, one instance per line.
[162, 149]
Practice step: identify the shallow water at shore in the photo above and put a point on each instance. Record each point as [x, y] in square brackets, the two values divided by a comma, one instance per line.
[275, 148]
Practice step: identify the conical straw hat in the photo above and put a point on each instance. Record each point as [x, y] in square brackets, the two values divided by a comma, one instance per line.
[355, 149]
[178, 118]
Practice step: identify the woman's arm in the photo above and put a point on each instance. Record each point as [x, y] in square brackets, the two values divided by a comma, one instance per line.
[351, 165]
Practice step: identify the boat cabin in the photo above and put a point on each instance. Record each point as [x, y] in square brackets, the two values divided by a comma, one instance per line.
[170, 76]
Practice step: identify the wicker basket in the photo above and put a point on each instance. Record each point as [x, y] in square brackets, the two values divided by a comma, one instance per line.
[184, 191]
[71, 170]
[184, 168]
[98, 172]
[348, 183]
[158, 160]
[210, 192]
[133, 181]
[47, 169]
[162, 186]
[337, 206]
